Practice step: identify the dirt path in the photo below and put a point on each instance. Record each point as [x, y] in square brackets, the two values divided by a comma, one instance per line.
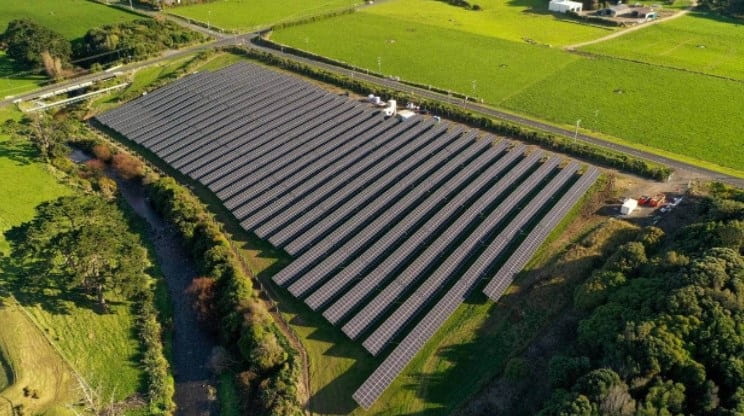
[631, 29]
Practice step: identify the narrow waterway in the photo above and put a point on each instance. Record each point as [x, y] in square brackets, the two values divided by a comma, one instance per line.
[192, 345]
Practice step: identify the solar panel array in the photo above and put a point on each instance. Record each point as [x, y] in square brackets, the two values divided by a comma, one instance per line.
[391, 223]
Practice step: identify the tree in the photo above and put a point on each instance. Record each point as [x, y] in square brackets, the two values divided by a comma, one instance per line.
[82, 242]
[30, 44]
[45, 133]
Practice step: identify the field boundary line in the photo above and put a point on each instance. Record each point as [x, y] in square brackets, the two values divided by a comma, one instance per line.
[636, 61]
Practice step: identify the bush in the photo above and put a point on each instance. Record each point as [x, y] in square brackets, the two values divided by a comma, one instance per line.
[203, 290]
[128, 167]
[102, 152]
[563, 371]
[273, 370]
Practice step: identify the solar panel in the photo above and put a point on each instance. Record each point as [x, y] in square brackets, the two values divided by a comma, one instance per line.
[412, 221]
[433, 253]
[472, 245]
[389, 220]
[534, 240]
[411, 247]
[403, 353]
[377, 222]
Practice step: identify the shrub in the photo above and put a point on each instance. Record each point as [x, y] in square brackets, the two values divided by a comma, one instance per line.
[563, 371]
[102, 152]
[127, 166]
[203, 291]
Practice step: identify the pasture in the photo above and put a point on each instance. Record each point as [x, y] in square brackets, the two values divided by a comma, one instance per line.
[697, 42]
[430, 54]
[520, 21]
[14, 80]
[71, 18]
[246, 15]
[670, 110]
[103, 348]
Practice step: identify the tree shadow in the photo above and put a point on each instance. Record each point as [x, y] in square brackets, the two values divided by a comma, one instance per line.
[31, 292]
[20, 152]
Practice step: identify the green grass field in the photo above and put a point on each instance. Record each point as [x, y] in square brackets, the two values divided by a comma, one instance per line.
[697, 42]
[246, 15]
[692, 115]
[14, 80]
[25, 182]
[71, 18]
[103, 348]
[519, 21]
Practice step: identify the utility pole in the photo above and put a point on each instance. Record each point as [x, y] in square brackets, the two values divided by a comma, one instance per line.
[131, 6]
[576, 134]
[474, 85]
[379, 64]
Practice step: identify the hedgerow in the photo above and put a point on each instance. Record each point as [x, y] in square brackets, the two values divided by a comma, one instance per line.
[243, 321]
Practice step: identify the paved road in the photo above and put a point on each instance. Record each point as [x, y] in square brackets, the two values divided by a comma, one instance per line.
[165, 56]
[489, 111]
[479, 108]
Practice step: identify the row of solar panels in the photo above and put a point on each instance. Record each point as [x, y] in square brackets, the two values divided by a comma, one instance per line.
[384, 218]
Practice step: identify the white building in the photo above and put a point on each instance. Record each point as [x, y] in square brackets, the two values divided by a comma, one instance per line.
[565, 6]
[629, 205]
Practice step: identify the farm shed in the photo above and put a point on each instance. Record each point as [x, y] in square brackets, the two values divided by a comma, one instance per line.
[629, 205]
[615, 11]
[564, 6]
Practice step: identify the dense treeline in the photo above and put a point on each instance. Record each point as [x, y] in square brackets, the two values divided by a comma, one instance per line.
[559, 144]
[662, 332]
[268, 374]
[34, 46]
[133, 40]
[730, 7]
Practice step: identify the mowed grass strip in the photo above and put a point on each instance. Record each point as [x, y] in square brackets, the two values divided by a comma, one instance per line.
[243, 15]
[520, 21]
[71, 18]
[684, 113]
[104, 348]
[698, 42]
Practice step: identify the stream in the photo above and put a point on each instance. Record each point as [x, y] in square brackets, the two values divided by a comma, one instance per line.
[196, 387]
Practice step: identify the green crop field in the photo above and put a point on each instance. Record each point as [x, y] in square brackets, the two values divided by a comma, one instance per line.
[697, 42]
[692, 115]
[71, 18]
[245, 15]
